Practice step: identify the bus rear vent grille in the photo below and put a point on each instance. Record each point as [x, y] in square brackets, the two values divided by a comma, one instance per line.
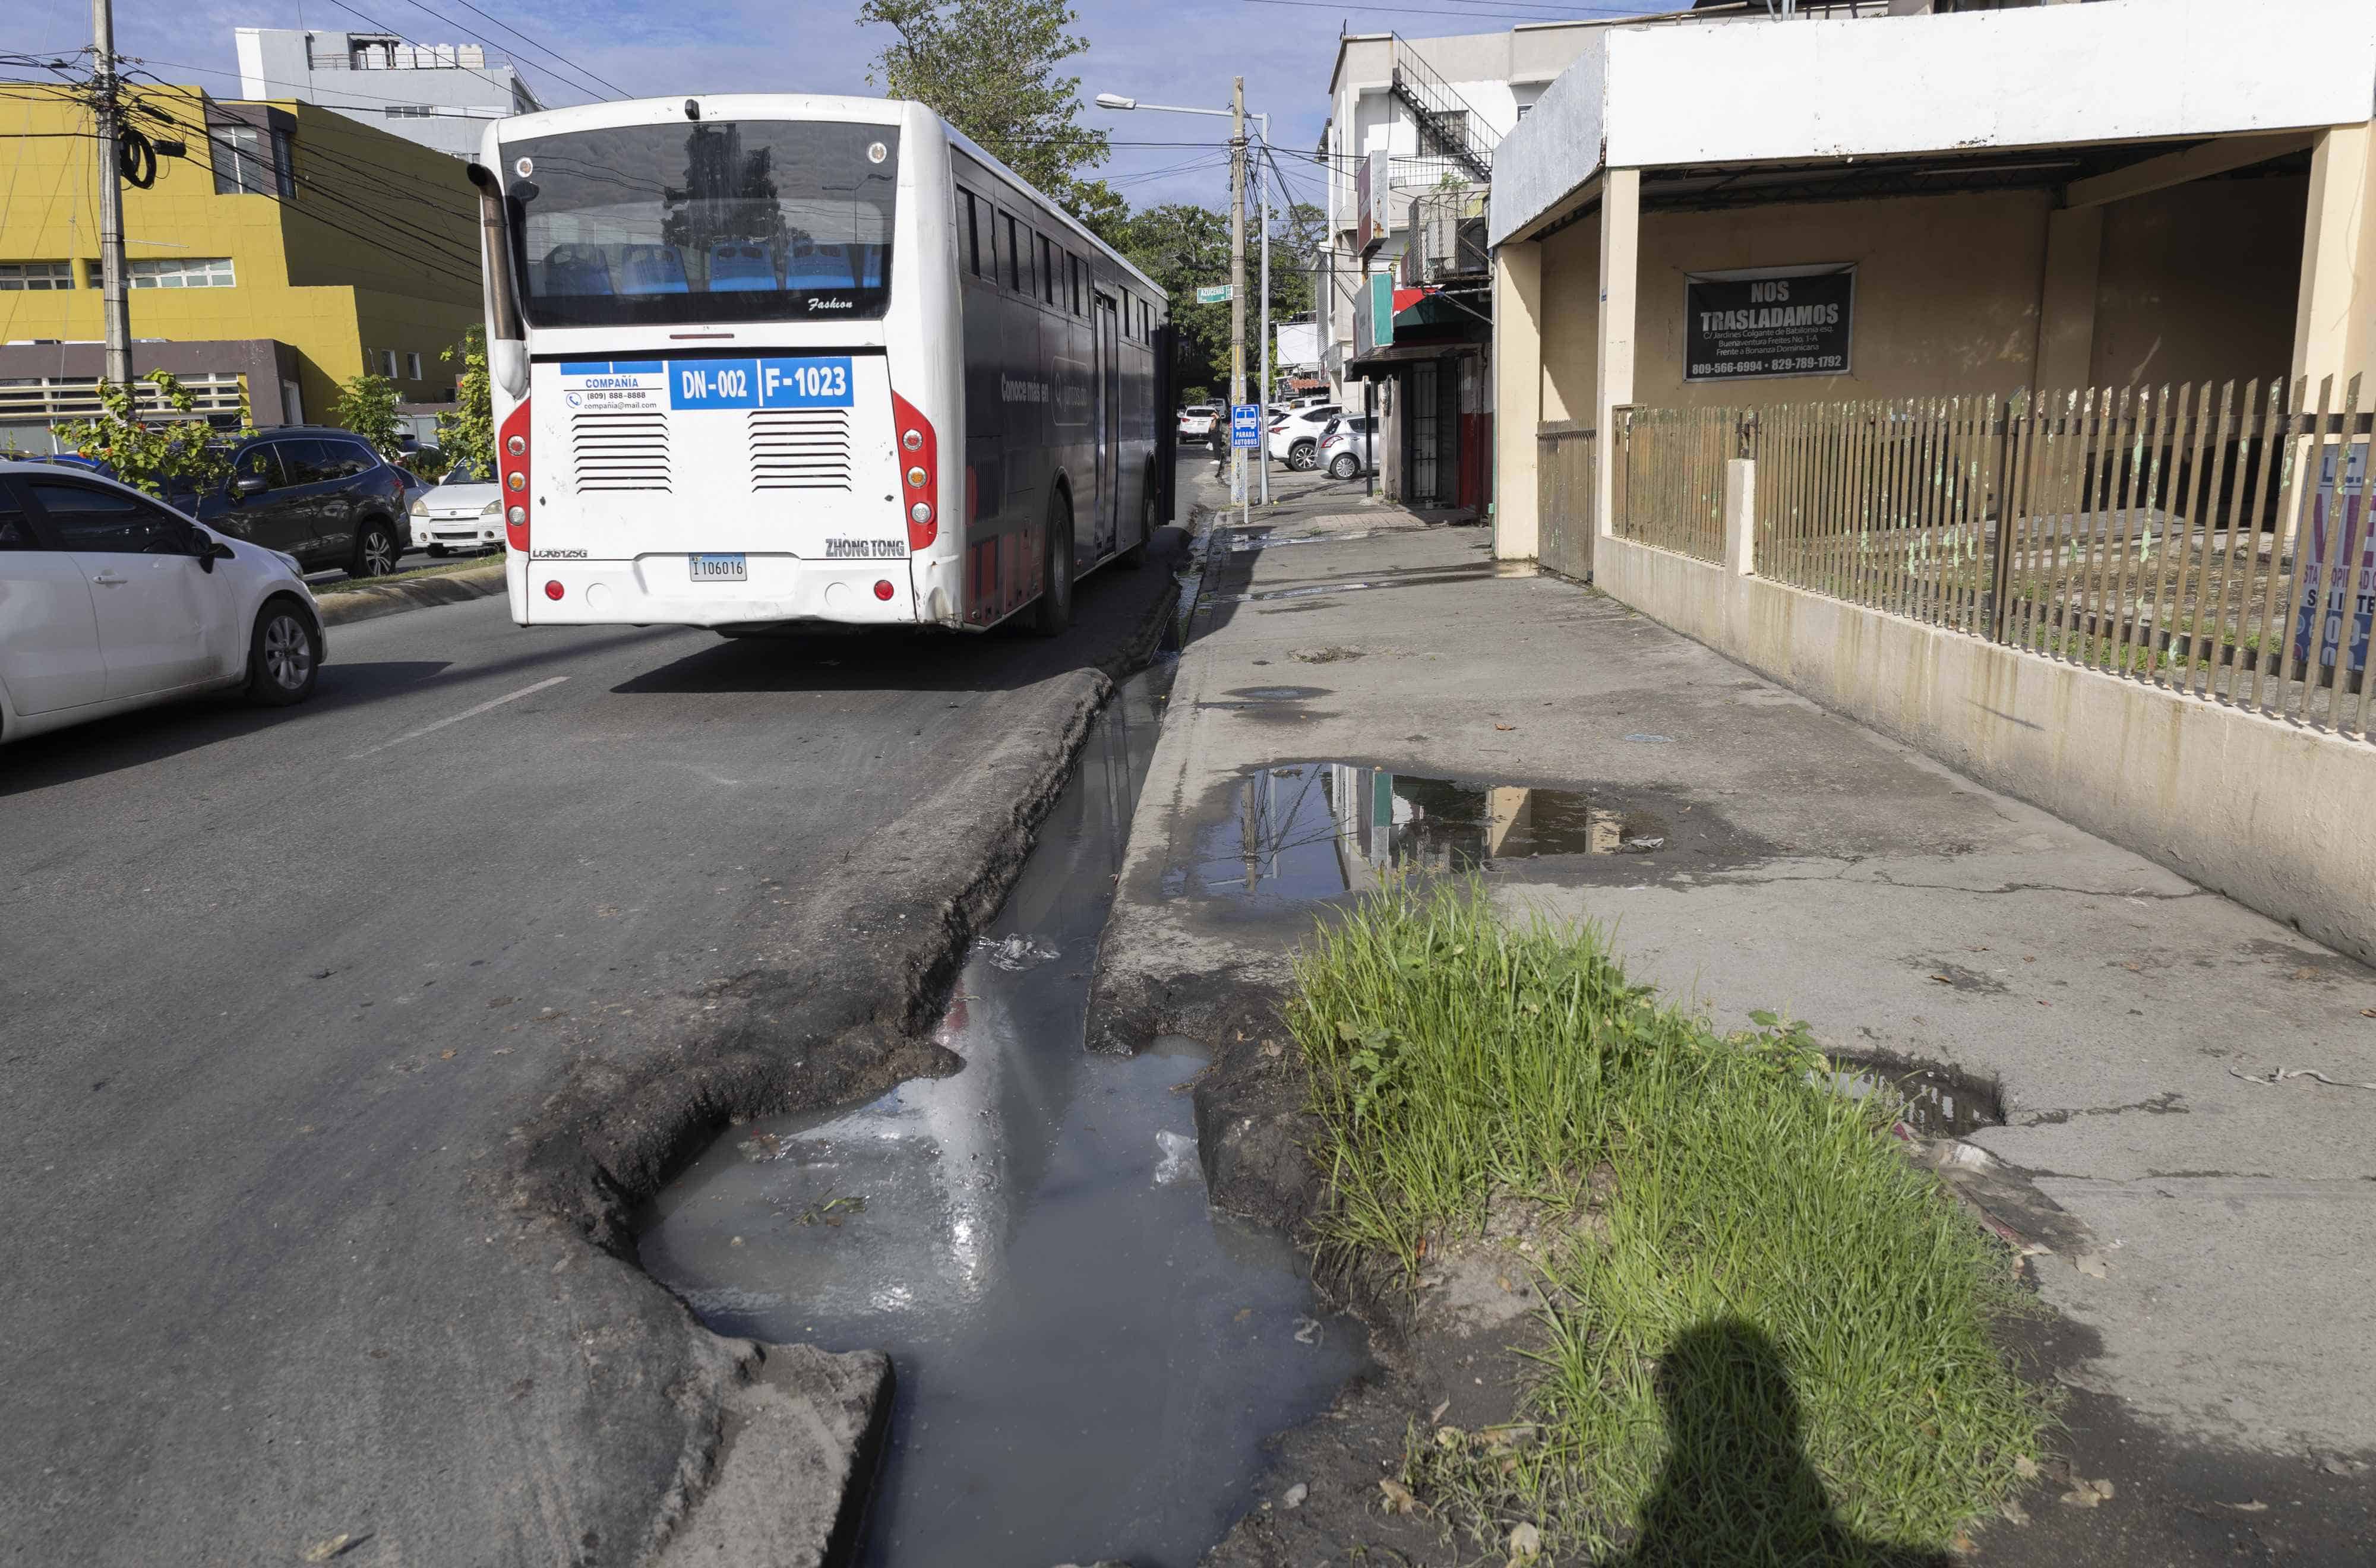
[620, 451]
[799, 449]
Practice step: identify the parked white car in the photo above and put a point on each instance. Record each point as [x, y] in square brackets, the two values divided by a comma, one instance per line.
[465, 512]
[1347, 448]
[110, 601]
[1295, 438]
[1196, 420]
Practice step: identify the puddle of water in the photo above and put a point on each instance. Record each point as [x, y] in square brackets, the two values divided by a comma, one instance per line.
[1087, 1358]
[1934, 1101]
[1313, 830]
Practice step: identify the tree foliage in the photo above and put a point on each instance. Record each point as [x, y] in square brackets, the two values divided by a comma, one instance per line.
[467, 434]
[366, 405]
[165, 457]
[989, 67]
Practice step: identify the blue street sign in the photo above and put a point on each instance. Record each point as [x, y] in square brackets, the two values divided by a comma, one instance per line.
[1245, 424]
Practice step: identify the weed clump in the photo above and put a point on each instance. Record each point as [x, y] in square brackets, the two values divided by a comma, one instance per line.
[1769, 1344]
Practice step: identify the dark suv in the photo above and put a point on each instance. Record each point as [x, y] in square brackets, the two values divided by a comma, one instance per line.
[316, 493]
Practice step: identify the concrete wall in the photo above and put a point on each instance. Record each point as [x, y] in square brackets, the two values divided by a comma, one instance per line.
[2123, 70]
[378, 250]
[2195, 282]
[2270, 813]
[2199, 281]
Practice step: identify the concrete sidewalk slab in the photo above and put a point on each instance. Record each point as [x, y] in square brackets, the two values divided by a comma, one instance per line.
[1777, 856]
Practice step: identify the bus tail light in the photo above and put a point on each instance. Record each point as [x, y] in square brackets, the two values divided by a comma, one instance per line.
[919, 463]
[512, 463]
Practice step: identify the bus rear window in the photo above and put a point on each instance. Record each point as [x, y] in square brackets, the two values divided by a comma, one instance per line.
[710, 220]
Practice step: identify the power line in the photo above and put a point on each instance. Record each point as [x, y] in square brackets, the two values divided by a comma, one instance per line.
[594, 93]
[430, 264]
[524, 38]
[404, 39]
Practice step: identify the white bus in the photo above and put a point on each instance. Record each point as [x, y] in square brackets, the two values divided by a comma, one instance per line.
[768, 360]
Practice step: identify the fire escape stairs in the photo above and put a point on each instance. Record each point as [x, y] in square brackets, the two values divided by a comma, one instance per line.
[1447, 126]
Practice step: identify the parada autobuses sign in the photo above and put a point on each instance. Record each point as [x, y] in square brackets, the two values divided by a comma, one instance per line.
[1771, 321]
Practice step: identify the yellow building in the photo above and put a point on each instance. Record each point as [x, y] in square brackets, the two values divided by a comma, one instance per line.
[289, 249]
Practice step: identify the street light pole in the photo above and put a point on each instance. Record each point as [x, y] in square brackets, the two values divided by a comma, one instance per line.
[111, 199]
[1237, 114]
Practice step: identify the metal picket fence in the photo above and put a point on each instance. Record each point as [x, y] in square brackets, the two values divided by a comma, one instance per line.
[2209, 538]
[1565, 492]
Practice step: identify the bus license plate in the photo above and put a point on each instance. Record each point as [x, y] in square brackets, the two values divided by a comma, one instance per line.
[718, 569]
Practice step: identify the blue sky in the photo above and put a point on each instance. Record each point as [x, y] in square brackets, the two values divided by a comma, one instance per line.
[1167, 52]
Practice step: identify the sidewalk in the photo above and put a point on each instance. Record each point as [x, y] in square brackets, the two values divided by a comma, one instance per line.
[2213, 1270]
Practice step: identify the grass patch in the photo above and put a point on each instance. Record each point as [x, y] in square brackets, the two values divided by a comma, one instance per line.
[1768, 1333]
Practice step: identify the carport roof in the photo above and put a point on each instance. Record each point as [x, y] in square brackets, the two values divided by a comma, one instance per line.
[1821, 93]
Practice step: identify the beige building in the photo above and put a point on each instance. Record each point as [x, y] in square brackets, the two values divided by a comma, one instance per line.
[1825, 209]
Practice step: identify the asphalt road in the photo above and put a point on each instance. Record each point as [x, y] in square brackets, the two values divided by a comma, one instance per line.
[287, 993]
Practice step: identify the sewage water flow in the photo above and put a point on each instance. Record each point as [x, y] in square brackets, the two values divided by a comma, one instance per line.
[1087, 1358]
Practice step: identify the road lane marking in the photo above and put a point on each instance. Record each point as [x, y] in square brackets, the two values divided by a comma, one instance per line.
[457, 718]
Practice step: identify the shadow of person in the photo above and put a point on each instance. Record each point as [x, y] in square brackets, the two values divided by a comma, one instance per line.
[1737, 1487]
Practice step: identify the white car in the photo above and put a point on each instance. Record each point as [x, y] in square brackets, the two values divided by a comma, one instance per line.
[1196, 420]
[465, 512]
[1346, 448]
[110, 601]
[1295, 438]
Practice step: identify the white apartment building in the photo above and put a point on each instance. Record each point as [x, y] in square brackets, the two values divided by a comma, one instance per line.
[438, 95]
[1408, 152]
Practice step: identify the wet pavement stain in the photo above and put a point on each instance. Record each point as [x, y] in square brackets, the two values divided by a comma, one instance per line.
[1934, 1100]
[1304, 831]
[1089, 1358]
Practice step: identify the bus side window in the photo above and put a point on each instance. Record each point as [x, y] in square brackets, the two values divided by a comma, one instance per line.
[972, 232]
[1072, 279]
[1019, 266]
[1047, 269]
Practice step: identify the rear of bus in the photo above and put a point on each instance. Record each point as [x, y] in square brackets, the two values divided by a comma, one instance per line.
[720, 396]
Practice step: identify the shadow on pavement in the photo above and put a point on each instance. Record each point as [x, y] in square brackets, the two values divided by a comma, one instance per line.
[1738, 1488]
[151, 734]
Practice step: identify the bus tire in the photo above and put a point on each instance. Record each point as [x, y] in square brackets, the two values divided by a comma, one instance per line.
[1052, 610]
[1131, 560]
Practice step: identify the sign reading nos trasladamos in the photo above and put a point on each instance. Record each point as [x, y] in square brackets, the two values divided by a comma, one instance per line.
[1770, 321]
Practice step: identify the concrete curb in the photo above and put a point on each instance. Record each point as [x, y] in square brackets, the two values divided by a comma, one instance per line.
[372, 600]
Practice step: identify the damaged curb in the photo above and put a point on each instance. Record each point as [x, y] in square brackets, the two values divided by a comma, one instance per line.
[834, 1007]
[369, 601]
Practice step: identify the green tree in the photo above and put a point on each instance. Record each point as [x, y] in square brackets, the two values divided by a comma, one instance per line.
[989, 67]
[165, 457]
[366, 405]
[467, 434]
[1180, 245]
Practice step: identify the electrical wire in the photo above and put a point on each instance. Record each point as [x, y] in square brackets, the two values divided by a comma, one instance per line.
[596, 94]
[426, 263]
[524, 38]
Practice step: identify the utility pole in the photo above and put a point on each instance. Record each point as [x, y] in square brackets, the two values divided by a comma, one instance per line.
[110, 198]
[1237, 287]
[1262, 175]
